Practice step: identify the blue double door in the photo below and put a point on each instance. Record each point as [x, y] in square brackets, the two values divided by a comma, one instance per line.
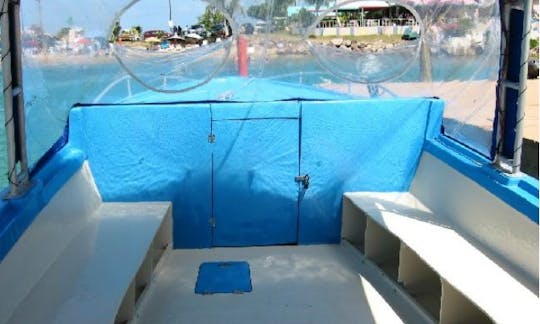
[254, 165]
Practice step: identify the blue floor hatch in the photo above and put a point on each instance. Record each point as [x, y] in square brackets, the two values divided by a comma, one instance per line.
[223, 278]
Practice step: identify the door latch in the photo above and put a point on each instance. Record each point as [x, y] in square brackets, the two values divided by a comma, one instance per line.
[304, 180]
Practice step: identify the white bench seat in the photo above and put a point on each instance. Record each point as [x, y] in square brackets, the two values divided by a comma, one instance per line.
[83, 260]
[458, 262]
[87, 284]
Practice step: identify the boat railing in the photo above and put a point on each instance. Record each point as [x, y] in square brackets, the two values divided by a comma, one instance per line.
[127, 78]
[130, 90]
[311, 78]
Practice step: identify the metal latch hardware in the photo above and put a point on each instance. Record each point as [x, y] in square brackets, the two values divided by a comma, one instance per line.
[211, 138]
[304, 180]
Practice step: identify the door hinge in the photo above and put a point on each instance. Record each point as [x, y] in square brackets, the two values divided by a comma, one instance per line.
[211, 138]
[304, 180]
[213, 222]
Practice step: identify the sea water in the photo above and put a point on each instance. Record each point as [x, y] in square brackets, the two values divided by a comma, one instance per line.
[51, 90]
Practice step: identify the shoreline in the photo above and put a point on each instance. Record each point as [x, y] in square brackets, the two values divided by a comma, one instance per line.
[457, 94]
[61, 59]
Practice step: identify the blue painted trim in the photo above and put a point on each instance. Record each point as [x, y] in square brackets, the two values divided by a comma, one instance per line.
[16, 215]
[520, 192]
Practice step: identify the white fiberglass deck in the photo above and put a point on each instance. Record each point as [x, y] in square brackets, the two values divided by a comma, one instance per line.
[291, 284]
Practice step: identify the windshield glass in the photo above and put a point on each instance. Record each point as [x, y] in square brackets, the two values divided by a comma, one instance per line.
[160, 50]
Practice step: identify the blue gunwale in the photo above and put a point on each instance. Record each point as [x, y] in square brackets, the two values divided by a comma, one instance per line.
[520, 192]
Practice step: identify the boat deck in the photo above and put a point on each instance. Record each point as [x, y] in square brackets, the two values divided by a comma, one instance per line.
[291, 284]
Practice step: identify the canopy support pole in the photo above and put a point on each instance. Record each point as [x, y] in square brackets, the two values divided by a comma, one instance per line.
[18, 173]
[521, 101]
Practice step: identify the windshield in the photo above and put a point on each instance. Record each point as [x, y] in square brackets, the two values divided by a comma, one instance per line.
[126, 51]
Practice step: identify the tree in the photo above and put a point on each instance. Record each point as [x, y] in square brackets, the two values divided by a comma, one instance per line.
[228, 6]
[116, 31]
[430, 11]
[280, 7]
[211, 17]
[136, 31]
[303, 18]
[259, 11]
[318, 4]
[63, 33]
[263, 10]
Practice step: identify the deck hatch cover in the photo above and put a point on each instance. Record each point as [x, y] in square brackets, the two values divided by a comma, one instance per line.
[223, 277]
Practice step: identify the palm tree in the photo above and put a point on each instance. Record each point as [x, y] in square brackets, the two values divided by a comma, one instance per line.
[318, 4]
[431, 11]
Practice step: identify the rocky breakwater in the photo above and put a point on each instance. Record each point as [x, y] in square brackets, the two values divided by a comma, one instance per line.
[299, 47]
[282, 47]
[358, 46]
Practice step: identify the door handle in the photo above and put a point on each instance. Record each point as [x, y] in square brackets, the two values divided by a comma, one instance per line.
[304, 180]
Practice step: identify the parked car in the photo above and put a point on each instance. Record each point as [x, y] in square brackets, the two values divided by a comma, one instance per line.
[410, 34]
[197, 29]
[219, 30]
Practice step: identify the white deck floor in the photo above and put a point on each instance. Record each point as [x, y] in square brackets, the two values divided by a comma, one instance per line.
[291, 284]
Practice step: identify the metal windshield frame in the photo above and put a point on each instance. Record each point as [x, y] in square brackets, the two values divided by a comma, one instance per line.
[18, 170]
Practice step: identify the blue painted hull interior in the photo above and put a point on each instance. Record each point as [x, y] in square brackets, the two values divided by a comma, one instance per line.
[340, 196]
[234, 173]
[230, 168]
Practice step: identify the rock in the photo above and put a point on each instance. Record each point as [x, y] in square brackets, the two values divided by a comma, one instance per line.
[347, 43]
[337, 42]
[300, 49]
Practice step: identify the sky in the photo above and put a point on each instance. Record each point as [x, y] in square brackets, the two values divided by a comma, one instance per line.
[155, 14]
[96, 16]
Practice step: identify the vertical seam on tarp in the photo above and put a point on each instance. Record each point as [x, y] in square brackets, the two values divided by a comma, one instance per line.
[299, 201]
[212, 219]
